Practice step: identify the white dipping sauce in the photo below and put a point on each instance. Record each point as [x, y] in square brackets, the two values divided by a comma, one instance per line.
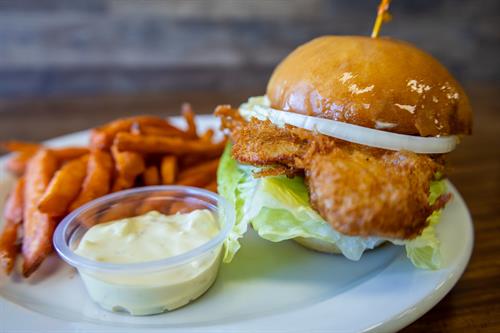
[150, 237]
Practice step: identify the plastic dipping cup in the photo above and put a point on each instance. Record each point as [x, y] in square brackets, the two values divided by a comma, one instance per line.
[148, 287]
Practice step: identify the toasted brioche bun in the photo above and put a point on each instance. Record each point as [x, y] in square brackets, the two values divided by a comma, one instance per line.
[321, 246]
[373, 82]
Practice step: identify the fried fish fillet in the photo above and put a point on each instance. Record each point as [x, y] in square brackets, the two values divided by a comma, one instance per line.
[358, 190]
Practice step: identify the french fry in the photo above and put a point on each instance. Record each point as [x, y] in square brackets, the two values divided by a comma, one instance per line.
[199, 175]
[38, 227]
[208, 167]
[212, 186]
[20, 146]
[188, 114]
[139, 129]
[102, 137]
[64, 187]
[14, 207]
[167, 145]
[13, 216]
[69, 153]
[208, 135]
[151, 176]
[168, 169]
[180, 207]
[153, 204]
[128, 165]
[16, 164]
[118, 211]
[8, 246]
[97, 181]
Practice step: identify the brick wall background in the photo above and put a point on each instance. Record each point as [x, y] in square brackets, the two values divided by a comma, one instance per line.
[82, 47]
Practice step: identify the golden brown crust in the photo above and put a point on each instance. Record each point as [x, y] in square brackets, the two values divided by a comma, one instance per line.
[365, 194]
[378, 83]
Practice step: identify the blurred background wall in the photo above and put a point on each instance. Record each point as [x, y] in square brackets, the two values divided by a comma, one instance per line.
[72, 48]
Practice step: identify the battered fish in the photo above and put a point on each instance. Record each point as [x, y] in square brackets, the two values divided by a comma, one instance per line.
[358, 190]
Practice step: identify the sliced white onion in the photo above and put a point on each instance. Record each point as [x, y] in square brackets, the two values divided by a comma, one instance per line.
[349, 132]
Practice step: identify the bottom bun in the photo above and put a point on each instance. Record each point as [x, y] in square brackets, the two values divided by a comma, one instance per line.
[321, 246]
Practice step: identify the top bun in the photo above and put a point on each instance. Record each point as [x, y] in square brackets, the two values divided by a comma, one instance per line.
[379, 83]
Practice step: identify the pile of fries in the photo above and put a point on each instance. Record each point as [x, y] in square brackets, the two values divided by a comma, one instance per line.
[125, 153]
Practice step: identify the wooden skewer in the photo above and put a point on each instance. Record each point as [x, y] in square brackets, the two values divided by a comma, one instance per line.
[382, 16]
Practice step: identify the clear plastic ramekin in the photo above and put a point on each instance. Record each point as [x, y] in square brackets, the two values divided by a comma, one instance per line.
[148, 287]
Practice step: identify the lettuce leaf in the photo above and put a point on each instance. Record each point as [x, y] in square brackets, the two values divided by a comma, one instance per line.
[278, 209]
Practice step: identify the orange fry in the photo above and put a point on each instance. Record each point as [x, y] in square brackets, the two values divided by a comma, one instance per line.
[16, 164]
[212, 186]
[8, 245]
[166, 145]
[64, 187]
[20, 146]
[128, 165]
[208, 135]
[208, 167]
[69, 153]
[37, 226]
[13, 210]
[13, 215]
[102, 137]
[188, 114]
[139, 129]
[118, 211]
[168, 169]
[151, 204]
[97, 181]
[151, 176]
[200, 175]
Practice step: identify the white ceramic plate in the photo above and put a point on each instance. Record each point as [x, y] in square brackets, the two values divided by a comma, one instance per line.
[268, 287]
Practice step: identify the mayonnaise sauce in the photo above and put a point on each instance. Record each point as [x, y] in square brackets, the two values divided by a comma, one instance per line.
[150, 237]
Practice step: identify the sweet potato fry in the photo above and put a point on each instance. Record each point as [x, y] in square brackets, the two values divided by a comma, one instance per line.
[64, 187]
[188, 114]
[128, 165]
[139, 129]
[13, 216]
[151, 204]
[212, 186]
[38, 227]
[151, 176]
[8, 245]
[208, 167]
[208, 135]
[118, 211]
[16, 164]
[166, 145]
[69, 153]
[168, 169]
[200, 175]
[102, 137]
[97, 181]
[20, 146]
[13, 210]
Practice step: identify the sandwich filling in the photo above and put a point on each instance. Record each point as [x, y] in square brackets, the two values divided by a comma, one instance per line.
[289, 182]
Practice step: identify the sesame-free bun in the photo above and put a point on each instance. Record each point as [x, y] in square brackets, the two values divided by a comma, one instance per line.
[373, 82]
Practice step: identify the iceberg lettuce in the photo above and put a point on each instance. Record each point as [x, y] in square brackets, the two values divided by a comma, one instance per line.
[278, 209]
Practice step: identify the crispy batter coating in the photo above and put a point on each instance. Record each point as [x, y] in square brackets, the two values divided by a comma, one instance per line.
[359, 190]
[365, 194]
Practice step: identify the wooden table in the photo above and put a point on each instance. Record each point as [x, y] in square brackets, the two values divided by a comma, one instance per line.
[472, 306]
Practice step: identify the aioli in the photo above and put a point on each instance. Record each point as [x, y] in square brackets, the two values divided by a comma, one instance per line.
[150, 237]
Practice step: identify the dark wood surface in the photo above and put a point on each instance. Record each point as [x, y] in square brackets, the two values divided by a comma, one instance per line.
[472, 306]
